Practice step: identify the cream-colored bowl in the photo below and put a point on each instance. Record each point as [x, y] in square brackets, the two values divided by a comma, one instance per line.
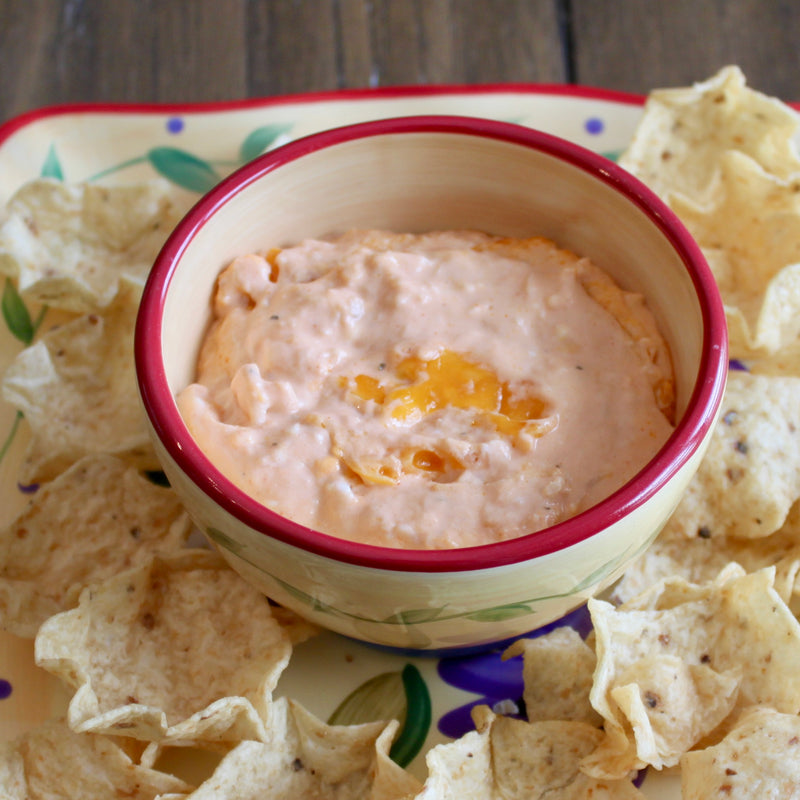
[420, 174]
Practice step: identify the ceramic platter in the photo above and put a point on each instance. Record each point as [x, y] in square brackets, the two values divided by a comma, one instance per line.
[193, 146]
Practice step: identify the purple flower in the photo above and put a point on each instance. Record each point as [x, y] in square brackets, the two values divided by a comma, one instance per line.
[497, 683]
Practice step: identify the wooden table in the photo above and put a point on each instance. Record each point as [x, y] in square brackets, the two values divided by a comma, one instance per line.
[66, 51]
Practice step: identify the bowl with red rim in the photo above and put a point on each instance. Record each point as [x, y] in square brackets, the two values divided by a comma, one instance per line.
[416, 174]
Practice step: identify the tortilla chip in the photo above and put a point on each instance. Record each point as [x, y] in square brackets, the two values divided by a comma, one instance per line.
[699, 560]
[77, 389]
[759, 758]
[510, 759]
[785, 361]
[742, 504]
[750, 476]
[724, 157]
[460, 770]
[180, 650]
[53, 762]
[749, 229]
[684, 131]
[304, 757]
[557, 671]
[671, 705]
[772, 328]
[97, 518]
[753, 631]
[75, 246]
[298, 628]
[679, 659]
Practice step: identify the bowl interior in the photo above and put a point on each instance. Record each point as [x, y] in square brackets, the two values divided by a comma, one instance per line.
[426, 181]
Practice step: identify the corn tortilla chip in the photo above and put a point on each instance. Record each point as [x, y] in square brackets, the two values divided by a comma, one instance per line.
[77, 390]
[771, 329]
[749, 230]
[785, 361]
[298, 628]
[750, 475]
[304, 757]
[557, 671]
[725, 159]
[742, 504]
[460, 770]
[511, 759]
[677, 660]
[759, 758]
[671, 705]
[74, 246]
[99, 517]
[179, 650]
[700, 560]
[53, 762]
[684, 131]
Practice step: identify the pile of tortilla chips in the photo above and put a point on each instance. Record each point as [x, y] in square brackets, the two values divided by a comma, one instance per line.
[692, 665]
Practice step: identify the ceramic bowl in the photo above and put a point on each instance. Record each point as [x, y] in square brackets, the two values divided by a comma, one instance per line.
[416, 174]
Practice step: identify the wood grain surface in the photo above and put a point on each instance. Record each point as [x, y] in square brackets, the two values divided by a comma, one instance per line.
[67, 51]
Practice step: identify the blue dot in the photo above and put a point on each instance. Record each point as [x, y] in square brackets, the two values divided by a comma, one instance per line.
[594, 125]
[175, 124]
[5, 689]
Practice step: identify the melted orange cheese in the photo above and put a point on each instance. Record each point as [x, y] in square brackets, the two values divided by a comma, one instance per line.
[450, 380]
[447, 381]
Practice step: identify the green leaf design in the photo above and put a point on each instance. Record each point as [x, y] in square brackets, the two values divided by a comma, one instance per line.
[223, 540]
[600, 573]
[403, 696]
[500, 613]
[612, 155]
[381, 697]
[304, 597]
[261, 138]
[414, 616]
[16, 315]
[418, 718]
[52, 165]
[184, 169]
[6, 446]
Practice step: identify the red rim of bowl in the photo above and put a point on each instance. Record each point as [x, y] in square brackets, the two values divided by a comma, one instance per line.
[689, 433]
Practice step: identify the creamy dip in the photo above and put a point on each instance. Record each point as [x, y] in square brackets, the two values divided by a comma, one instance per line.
[428, 391]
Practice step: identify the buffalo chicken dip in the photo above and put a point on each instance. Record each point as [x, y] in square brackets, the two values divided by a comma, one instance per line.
[440, 390]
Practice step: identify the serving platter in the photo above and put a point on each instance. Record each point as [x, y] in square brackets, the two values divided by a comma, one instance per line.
[193, 146]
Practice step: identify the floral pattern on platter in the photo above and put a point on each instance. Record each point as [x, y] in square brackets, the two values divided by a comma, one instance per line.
[179, 166]
[498, 682]
[402, 695]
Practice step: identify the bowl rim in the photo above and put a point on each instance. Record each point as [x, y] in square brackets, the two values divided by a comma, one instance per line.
[686, 438]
